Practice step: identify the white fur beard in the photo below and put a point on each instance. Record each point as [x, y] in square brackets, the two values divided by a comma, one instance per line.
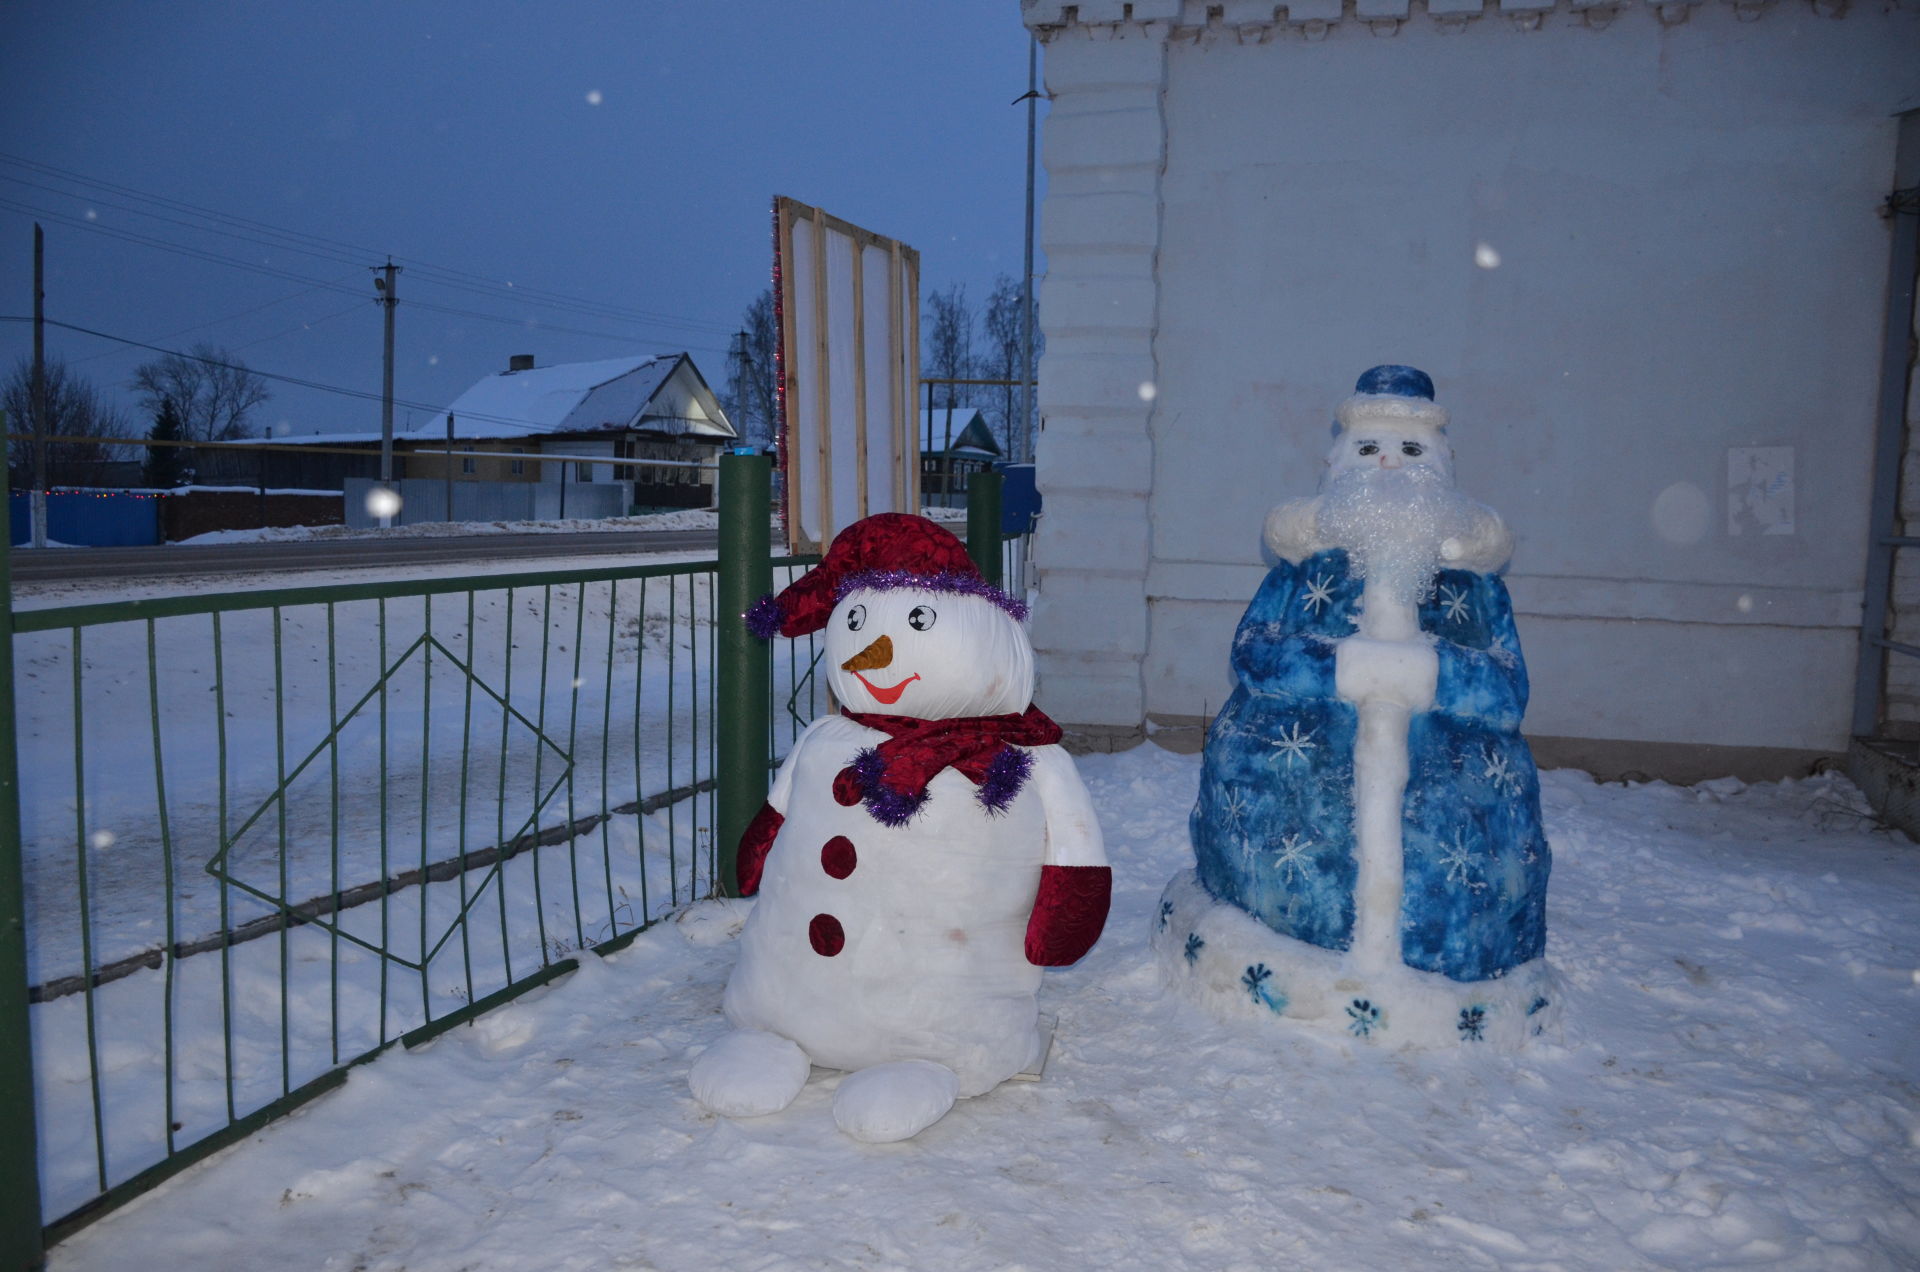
[1392, 521]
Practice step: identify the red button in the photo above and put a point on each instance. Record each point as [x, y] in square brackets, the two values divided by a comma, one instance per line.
[837, 857]
[826, 935]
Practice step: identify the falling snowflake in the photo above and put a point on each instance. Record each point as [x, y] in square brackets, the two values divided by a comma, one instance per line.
[1455, 603]
[1473, 1023]
[1292, 745]
[1194, 946]
[1319, 592]
[1289, 857]
[1363, 1018]
[1458, 860]
[1166, 912]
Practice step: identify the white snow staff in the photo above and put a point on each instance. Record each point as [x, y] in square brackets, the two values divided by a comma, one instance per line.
[921, 856]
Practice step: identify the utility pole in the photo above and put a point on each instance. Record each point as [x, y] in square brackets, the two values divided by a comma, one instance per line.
[38, 499]
[1026, 277]
[385, 287]
[449, 469]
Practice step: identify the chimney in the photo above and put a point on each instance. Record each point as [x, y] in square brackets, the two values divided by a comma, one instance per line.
[519, 362]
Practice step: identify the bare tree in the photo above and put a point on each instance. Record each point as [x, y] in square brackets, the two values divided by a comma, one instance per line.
[74, 409]
[949, 352]
[1002, 360]
[212, 391]
[751, 400]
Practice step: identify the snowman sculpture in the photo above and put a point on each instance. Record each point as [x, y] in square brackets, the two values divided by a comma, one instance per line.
[1369, 853]
[921, 855]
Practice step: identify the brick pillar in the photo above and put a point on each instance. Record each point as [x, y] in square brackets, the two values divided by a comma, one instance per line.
[1105, 146]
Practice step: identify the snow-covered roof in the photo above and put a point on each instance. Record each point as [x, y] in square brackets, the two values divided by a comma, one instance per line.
[970, 431]
[611, 395]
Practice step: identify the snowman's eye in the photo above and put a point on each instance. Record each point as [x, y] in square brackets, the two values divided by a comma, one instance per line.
[1412, 449]
[921, 617]
[856, 618]
[1369, 448]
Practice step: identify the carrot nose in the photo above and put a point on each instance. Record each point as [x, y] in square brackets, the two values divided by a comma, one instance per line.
[878, 654]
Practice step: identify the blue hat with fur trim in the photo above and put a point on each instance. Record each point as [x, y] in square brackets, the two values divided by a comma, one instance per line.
[1395, 393]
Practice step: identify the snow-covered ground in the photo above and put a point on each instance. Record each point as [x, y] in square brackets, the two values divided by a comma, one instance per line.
[681, 519]
[1735, 1087]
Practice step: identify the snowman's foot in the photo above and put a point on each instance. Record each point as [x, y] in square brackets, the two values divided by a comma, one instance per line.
[749, 1073]
[895, 1101]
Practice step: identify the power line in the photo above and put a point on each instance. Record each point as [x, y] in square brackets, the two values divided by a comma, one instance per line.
[214, 322]
[332, 249]
[297, 381]
[203, 254]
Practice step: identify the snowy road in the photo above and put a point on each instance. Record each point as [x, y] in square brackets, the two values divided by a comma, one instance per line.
[480, 552]
[1736, 1087]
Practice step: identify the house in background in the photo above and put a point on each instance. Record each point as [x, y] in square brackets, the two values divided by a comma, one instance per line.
[653, 408]
[656, 408]
[1644, 251]
[965, 446]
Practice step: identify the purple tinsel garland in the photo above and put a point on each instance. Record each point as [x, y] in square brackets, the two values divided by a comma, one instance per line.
[896, 580]
[763, 617]
[1007, 773]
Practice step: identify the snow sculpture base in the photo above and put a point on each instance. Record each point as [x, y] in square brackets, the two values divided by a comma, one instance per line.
[1237, 967]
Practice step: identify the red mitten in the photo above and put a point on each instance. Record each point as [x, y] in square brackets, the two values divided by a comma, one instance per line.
[1068, 914]
[755, 842]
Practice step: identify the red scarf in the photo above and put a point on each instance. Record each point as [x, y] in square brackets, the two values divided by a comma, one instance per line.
[891, 779]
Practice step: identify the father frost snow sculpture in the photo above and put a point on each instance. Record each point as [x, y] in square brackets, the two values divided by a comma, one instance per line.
[1367, 836]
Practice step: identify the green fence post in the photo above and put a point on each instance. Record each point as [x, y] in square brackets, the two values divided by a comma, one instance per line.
[746, 662]
[20, 1245]
[983, 523]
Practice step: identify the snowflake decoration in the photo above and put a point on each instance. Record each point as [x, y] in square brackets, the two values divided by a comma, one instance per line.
[1458, 860]
[1166, 912]
[1293, 745]
[1254, 977]
[1455, 603]
[1319, 592]
[1536, 1006]
[1233, 807]
[1194, 946]
[1289, 856]
[1500, 773]
[1473, 1023]
[1363, 1018]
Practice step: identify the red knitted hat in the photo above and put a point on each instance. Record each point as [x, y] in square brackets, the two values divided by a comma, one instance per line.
[879, 553]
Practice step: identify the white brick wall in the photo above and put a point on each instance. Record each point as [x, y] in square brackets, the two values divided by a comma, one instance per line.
[1902, 695]
[1249, 202]
[1104, 148]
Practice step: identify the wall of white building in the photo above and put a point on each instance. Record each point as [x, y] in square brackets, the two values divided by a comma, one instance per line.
[1638, 250]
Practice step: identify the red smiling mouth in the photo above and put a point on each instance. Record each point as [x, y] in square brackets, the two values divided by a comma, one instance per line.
[886, 697]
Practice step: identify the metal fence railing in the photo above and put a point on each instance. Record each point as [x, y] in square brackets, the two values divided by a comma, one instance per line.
[265, 835]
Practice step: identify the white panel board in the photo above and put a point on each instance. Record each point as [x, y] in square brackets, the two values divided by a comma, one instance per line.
[849, 335]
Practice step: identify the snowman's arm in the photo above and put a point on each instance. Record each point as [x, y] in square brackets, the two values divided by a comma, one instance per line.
[1076, 884]
[757, 840]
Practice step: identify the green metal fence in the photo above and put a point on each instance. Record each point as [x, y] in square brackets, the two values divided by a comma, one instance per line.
[264, 835]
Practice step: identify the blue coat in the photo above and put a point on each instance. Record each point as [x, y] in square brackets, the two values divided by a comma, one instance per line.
[1273, 828]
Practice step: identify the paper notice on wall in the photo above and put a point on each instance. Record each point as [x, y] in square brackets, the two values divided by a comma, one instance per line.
[1760, 490]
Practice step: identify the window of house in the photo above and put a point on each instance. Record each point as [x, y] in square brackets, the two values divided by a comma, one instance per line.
[466, 464]
[583, 472]
[517, 467]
